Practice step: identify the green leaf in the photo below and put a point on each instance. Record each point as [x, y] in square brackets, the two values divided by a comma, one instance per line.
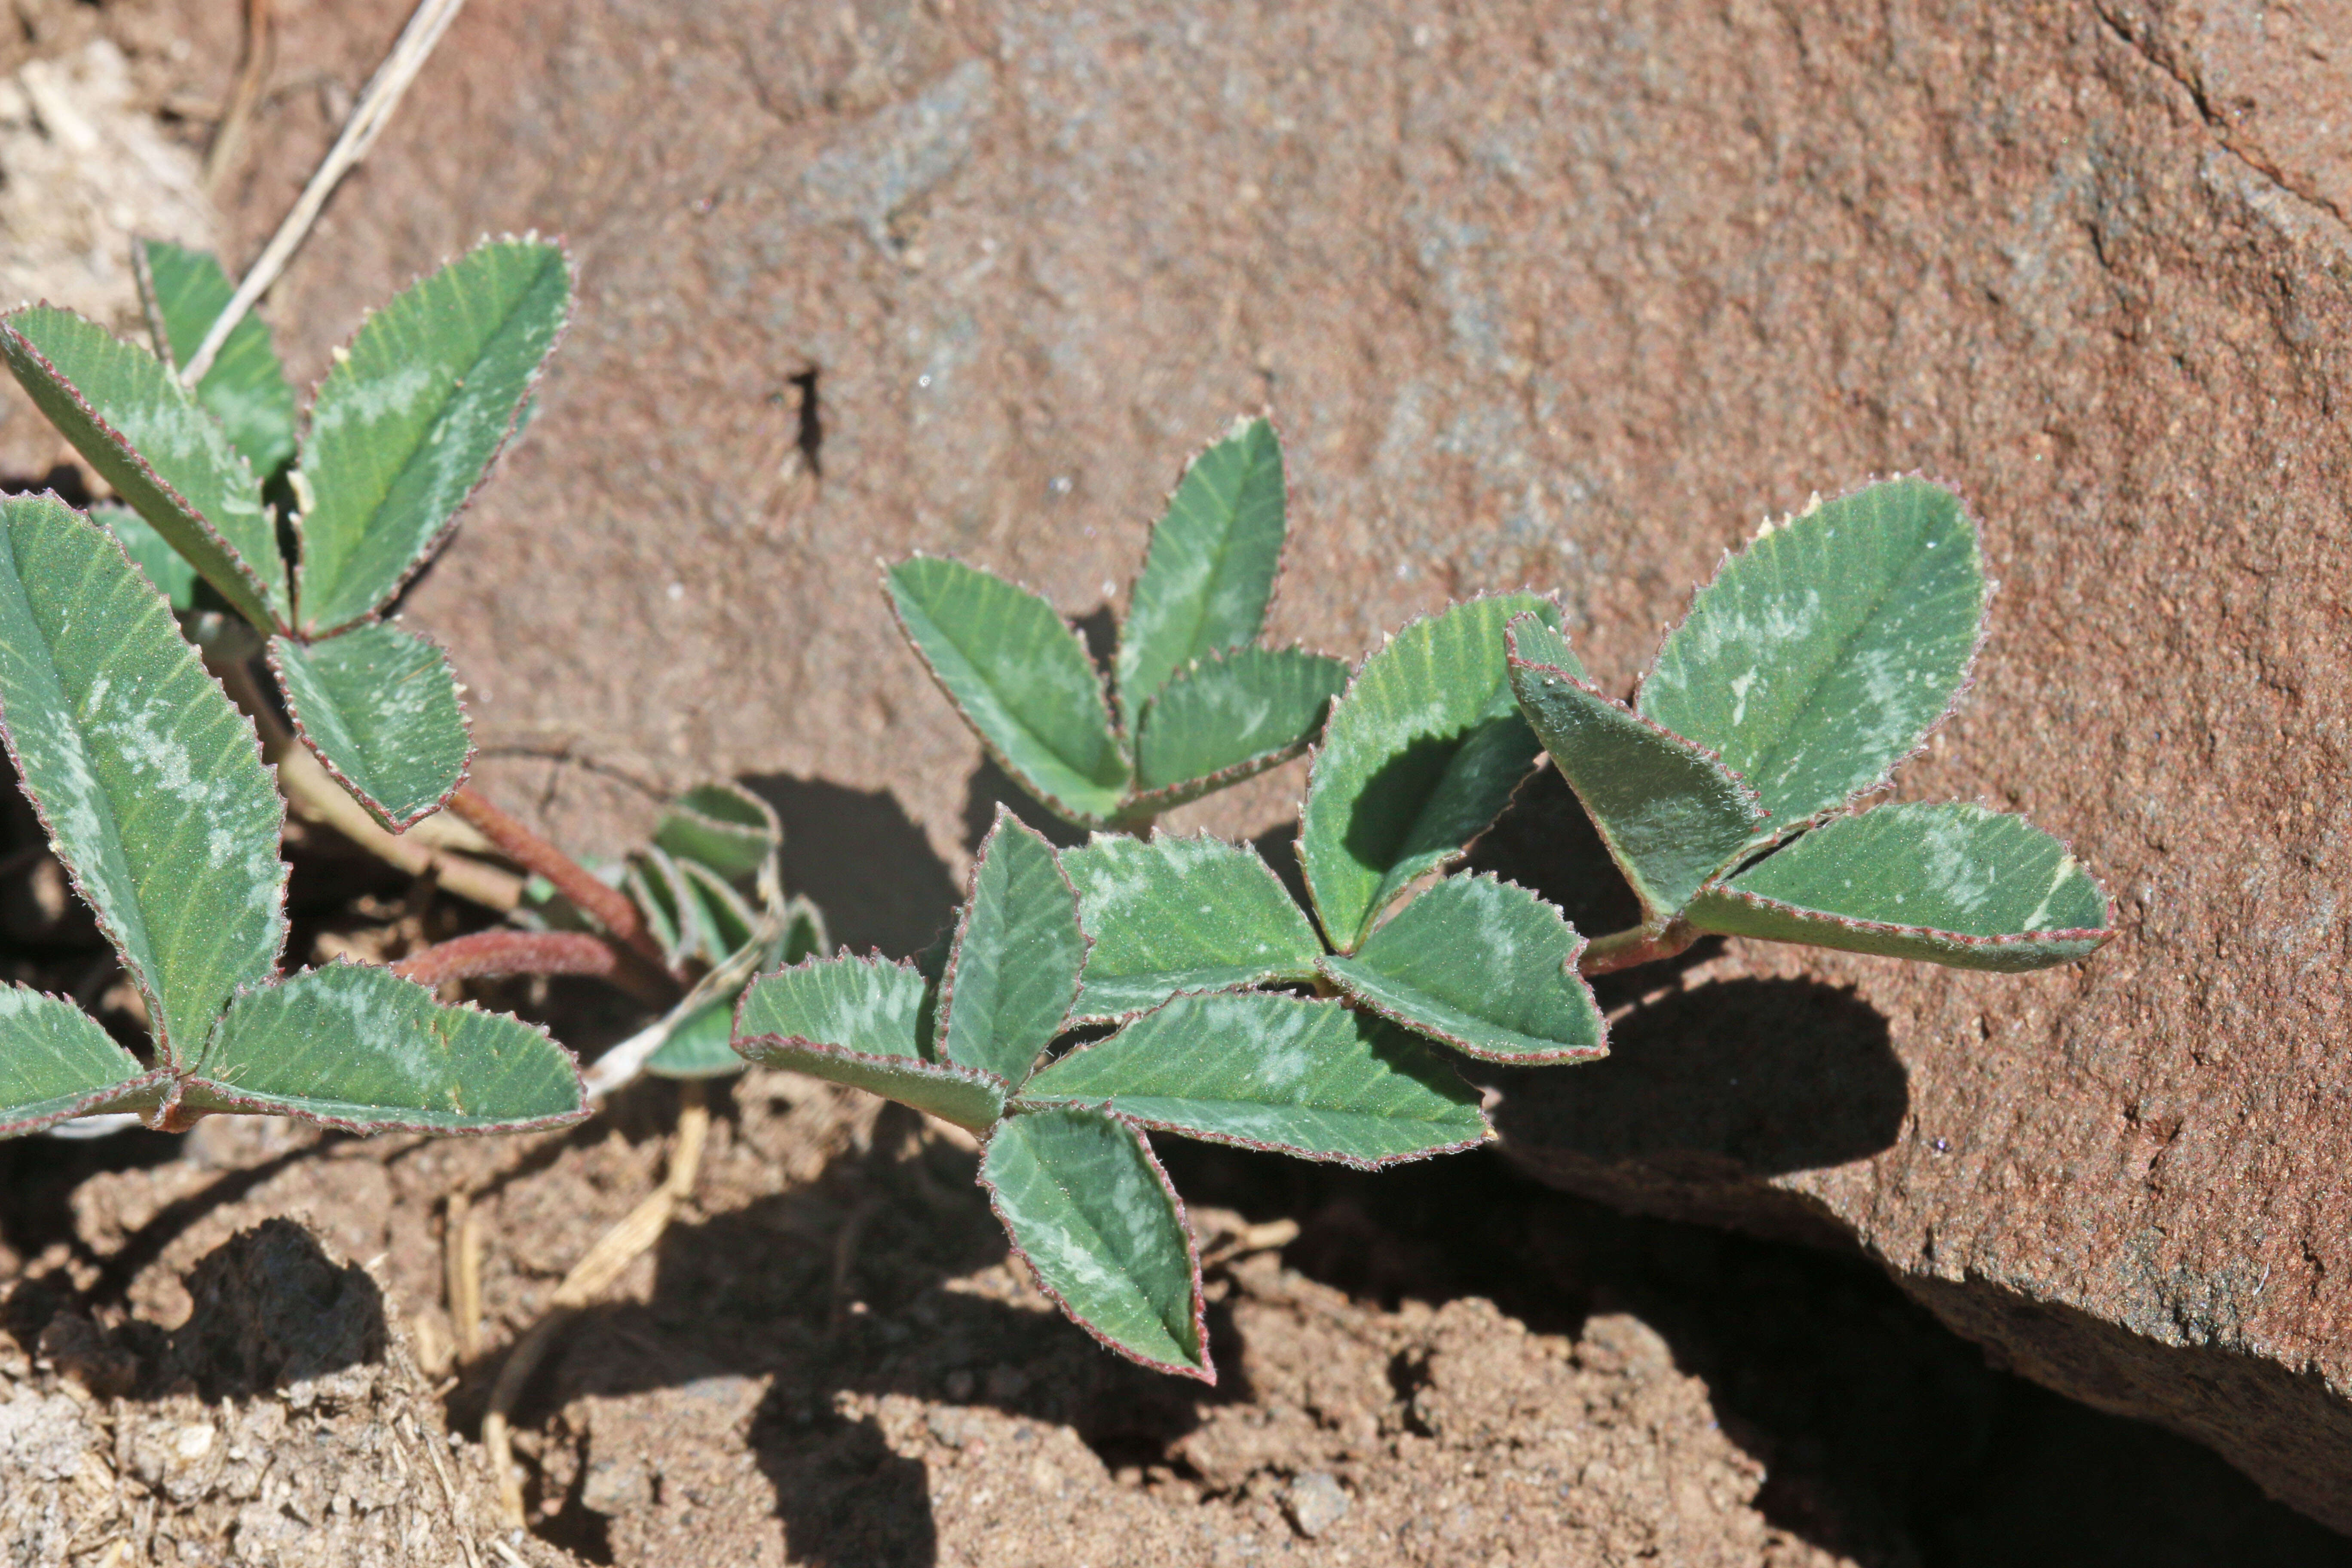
[700, 1046]
[1670, 813]
[405, 425]
[165, 567]
[356, 1046]
[726, 923]
[1169, 916]
[1950, 884]
[1210, 567]
[1825, 654]
[245, 389]
[1021, 678]
[148, 436]
[722, 826]
[56, 1063]
[1313, 1078]
[1013, 972]
[148, 782]
[1092, 1212]
[378, 705]
[1419, 756]
[804, 932]
[658, 889]
[1484, 965]
[1230, 716]
[858, 1021]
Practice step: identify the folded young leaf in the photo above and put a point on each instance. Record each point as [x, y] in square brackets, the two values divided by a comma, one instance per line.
[1484, 965]
[356, 1046]
[1170, 916]
[1419, 756]
[165, 567]
[1209, 571]
[1825, 653]
[1013, 970]
[245, 389]
[721, 914]
[147, 436]
[1092, 1212]
[1670, 813]
[1228, 716]
[723, 825]
[148, 780]
[1021, 678]
[701, 1046]
[378, 706]
[407, 423]
[1952, 884]
[1313, 1078]
[656, 886]
[56, 1063]
[857, 1021]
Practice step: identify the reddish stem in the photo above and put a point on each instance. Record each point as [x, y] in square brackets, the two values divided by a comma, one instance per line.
[1624, 949]
[487, 954]
[610, 907]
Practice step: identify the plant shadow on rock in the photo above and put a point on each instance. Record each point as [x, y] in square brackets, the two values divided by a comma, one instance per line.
[863, 860]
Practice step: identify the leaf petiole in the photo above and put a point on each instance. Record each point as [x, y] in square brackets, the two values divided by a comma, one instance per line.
[1635, 946]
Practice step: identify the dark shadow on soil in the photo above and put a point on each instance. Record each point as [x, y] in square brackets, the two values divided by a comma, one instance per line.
[863, 860]
[991, 787]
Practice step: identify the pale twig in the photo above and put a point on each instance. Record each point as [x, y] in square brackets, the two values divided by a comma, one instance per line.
[369, 117]
[589, 1277]
[462, 1246]
[228, 136]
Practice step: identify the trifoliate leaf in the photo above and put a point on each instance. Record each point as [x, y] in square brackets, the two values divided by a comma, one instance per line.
[1418, 757]
[378, 706]
[405, 425]
[1670, 813]
[1093, 1214]
[1825, 653]
[1952, 884]
[1021, 678]
[245, 389]
[148, 782]
[1487, 967]
[55, 1063]
[150, 439]
[1170, 915]
[857, 1021]
[356, 1046]
[1013, 970]
[1314, 1078]
[1229, 716]
[724, 826]
[1210, 567]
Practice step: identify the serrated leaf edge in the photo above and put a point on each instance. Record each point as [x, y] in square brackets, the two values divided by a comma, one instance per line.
[14, 1123]
[375, 807]
[439, 538]
[1570, 1054]
[963, 924]
[164, 1050]
[224, 1096]
[1046, 797]
[1206, 1372]
[228, 552]
[1169, 797]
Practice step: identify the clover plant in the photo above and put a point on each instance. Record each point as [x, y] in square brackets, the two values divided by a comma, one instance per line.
[1813, 664]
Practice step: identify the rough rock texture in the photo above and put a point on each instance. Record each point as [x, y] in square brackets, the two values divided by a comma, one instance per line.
[1564, 295]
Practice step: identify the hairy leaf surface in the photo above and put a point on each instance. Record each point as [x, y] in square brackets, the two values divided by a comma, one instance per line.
[1229, 716]
[148, 782]
[1484, 965]
[151, 553]
[56, 1063]
[357, 1047]
[1013, 972]
[407, 422]
[159, 449]
[1210, 570]
[378, 706]
[1419, 756]
[1090, 1209]
[857, 1021]
[724, 826]
[1952, 884]
[1670, 813]
[1313, 1078]
[1021, 678]
[1822, 654]
[1170, 915]
[245, 389]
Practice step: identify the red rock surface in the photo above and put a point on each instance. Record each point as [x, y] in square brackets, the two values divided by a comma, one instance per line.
[1563, 297]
